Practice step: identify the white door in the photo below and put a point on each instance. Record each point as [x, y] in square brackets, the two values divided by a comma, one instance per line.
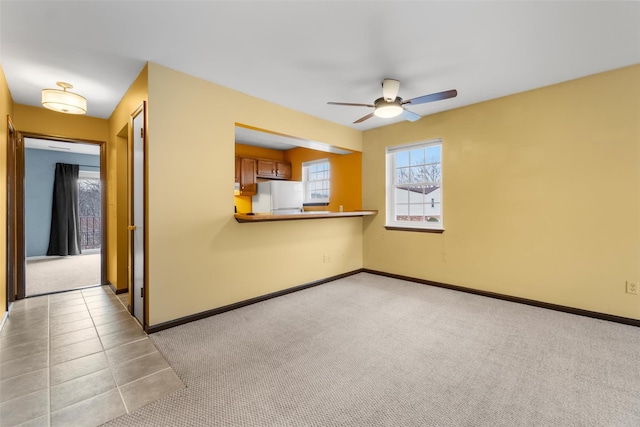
[137, 226]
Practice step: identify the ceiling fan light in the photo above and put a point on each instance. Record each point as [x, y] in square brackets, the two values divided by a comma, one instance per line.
[390, 89]
[63, 101]
[388, 110]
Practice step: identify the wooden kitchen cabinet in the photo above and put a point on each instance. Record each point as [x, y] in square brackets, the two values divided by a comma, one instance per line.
[246, 176]
[283, 170]
[273, 169]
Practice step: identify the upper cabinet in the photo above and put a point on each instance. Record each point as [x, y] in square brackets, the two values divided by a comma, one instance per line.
[246, 176]
[273, 169]
[248, 170]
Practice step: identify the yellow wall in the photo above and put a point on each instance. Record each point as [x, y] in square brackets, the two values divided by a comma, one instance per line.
[46, 122]
[199, 257]
[6, 109]
[117, 218]
[541, 195]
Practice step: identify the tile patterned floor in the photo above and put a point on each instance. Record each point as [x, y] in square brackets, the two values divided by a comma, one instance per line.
[77, 359]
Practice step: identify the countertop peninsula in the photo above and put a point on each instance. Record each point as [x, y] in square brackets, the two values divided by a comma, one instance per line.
[264, 217]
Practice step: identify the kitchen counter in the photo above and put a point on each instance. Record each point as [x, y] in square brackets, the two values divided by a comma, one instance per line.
[263, 217]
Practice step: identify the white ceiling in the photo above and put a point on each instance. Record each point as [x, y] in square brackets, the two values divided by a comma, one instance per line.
[302, 54]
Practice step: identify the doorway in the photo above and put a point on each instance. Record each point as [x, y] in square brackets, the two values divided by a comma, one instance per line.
[63, 244]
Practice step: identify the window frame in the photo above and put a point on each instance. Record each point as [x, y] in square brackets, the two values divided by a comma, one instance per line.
[89, 174]
[390, 199]
[306, 181]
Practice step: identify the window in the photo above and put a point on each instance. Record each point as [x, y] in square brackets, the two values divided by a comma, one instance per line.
[414, 186]
[316, 177]
[89, 212]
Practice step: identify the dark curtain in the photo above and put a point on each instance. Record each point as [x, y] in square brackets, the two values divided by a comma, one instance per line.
[64, 238]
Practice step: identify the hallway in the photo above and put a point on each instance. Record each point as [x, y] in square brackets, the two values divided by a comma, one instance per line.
[77, 358]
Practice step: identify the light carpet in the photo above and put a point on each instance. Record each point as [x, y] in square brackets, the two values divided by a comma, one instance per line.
[373, 351]
[45, 275]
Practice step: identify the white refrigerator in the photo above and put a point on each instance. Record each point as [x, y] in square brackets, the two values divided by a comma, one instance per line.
[278, 197]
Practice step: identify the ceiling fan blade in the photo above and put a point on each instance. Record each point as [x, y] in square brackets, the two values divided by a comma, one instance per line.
[433, 97]
[362, 119]
[411, 116]
[390, 89]
[349, 104]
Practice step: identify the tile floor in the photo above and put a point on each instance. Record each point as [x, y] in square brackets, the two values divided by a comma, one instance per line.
[77, 359]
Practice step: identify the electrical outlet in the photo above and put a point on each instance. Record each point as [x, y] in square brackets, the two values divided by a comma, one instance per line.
[632, 287]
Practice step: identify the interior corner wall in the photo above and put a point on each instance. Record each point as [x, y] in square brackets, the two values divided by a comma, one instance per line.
[199, 257]
[6, 110]
[541, 196]
[117, 215]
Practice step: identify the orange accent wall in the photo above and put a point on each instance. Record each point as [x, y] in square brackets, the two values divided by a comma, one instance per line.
[346, 176]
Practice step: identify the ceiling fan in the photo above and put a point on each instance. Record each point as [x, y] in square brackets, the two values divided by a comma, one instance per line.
[391, 105]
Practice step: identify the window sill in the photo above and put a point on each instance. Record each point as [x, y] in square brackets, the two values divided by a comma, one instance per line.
[418, 230]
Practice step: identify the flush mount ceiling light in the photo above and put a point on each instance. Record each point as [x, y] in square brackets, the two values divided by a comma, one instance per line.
[63, 101]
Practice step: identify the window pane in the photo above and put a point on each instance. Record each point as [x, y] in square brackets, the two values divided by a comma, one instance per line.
[417, 156]
[416, 213]
[402, 176]
[402, 159]
[433, 154]
[417, 174]
[416, 195]
[402, 212]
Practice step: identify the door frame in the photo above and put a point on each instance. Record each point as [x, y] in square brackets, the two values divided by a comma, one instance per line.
[141, 109]
[15, 270]
[19, 260]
